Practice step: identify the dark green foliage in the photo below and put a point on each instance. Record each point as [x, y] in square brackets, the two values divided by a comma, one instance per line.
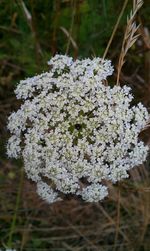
[28, 44]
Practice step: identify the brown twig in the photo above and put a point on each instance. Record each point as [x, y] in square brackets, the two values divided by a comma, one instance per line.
[30, 21]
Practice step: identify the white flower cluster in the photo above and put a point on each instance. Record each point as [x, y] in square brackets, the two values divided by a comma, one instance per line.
[73, 132]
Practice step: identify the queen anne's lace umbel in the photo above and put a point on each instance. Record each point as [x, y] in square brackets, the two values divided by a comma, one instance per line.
[73, 132]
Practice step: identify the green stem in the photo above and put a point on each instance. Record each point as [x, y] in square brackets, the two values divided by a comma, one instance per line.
[13, 224]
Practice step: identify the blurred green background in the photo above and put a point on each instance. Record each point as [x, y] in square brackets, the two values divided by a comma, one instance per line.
[30, 33]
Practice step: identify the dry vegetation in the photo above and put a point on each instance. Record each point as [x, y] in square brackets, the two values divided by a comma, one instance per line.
[122, 221]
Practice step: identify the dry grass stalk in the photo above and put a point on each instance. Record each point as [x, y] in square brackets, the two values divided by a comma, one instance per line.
[70, 38]
[115, 29]
[129, 36]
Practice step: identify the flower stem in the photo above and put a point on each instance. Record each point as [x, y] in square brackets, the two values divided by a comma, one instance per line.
[13, 224]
